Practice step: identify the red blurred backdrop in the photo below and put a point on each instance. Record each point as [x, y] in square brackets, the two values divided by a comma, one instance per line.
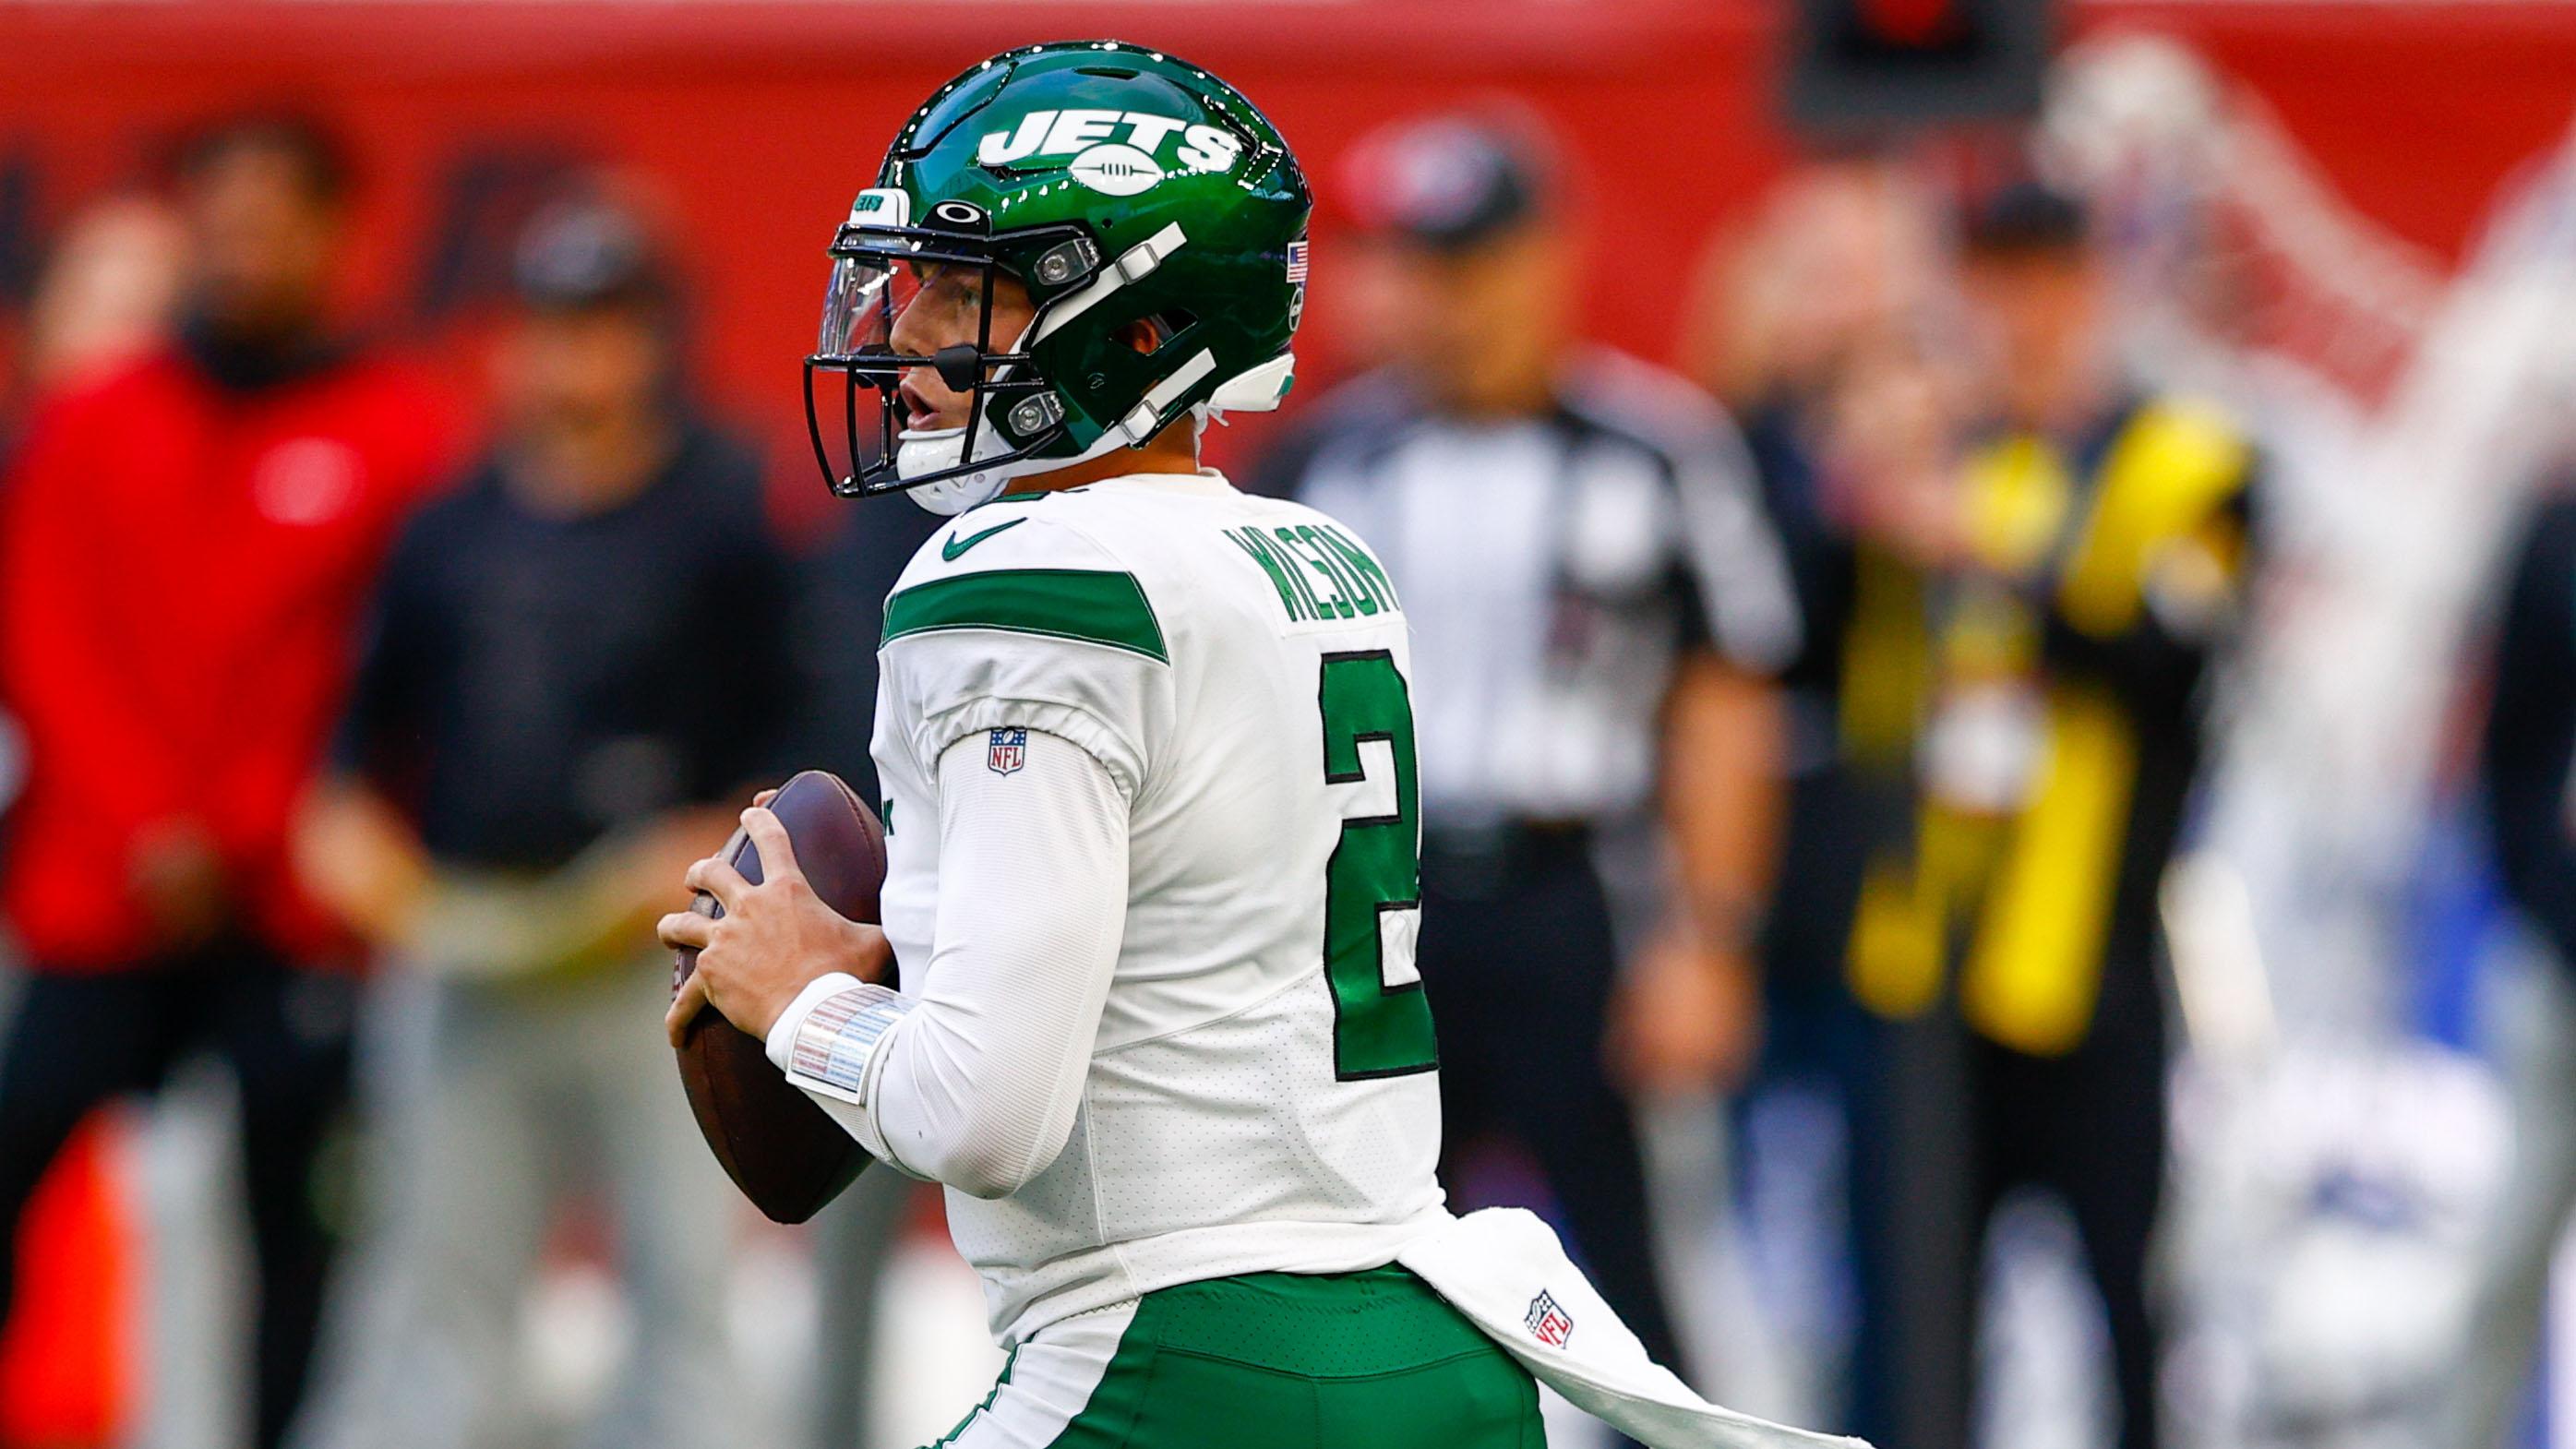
[758, 120]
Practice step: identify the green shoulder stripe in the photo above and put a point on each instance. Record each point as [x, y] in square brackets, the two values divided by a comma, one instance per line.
[1093, 605]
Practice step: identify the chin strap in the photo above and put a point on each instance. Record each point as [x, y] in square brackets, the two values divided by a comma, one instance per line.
[1146, 419]
[1253, 390]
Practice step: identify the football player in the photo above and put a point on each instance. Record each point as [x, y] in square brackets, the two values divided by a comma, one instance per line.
[1144, 999]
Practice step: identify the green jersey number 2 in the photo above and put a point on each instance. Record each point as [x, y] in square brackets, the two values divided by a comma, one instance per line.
[1373, 886]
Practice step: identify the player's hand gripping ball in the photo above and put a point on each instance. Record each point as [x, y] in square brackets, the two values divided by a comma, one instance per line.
[787, 900]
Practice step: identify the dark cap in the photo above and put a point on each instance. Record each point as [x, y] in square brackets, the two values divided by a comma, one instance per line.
[2028, 216]
[1448, 181]
[584, 253]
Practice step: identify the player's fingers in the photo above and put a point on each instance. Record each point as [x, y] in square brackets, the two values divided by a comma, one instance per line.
[718, 878]
[686, 930]
[777, 852]
[685, 1006]
[764, 797]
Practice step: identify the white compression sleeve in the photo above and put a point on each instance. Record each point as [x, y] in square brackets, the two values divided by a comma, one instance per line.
[974, 1079]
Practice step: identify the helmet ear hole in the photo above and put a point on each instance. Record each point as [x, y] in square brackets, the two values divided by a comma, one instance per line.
[1145, 336]
[1150, 335]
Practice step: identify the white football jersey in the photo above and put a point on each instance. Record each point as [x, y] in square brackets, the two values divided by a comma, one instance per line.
[1263, 1093]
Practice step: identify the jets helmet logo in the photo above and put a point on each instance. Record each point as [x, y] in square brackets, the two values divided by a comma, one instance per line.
[884, 206]
[1118, 153]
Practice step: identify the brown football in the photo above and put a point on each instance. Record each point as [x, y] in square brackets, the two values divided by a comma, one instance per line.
[785, 1153]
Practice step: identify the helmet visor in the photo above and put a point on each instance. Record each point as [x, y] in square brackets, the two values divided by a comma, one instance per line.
[904, 302]
[860, 305]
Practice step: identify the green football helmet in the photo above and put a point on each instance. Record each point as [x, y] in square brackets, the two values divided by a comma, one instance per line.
[1118, 185]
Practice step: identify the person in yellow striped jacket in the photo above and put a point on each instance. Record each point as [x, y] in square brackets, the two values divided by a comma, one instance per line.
[2047, 693]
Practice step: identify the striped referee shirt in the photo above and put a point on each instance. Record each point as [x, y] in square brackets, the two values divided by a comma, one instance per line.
[1554, 568]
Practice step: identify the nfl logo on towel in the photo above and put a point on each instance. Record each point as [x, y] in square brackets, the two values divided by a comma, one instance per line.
[1547, 1322]
[1008, 751]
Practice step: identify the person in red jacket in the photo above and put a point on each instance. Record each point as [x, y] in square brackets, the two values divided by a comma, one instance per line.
[186, 545]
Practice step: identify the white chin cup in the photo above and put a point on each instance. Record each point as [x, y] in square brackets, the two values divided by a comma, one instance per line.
[929, 450]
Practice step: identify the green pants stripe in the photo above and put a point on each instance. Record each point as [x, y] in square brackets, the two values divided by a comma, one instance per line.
[1369, 1360]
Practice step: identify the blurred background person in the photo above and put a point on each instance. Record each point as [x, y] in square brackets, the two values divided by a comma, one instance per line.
[2101, 540]
[533, 753]
[1822, 325]
[2527, 767]
[108, 291]
[1598, 603]
[186, 544]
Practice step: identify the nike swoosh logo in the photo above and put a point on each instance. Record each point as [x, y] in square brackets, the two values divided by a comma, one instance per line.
[956, 546]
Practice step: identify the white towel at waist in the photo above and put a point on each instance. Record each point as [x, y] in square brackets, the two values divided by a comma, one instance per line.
[1504, 1269]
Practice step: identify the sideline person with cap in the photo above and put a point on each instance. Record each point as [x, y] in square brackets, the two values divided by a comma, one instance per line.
[578, 657]
[1597, 602]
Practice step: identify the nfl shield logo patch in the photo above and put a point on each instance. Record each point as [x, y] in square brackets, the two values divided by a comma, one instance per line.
[1007, 751]
[1547, 1322]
